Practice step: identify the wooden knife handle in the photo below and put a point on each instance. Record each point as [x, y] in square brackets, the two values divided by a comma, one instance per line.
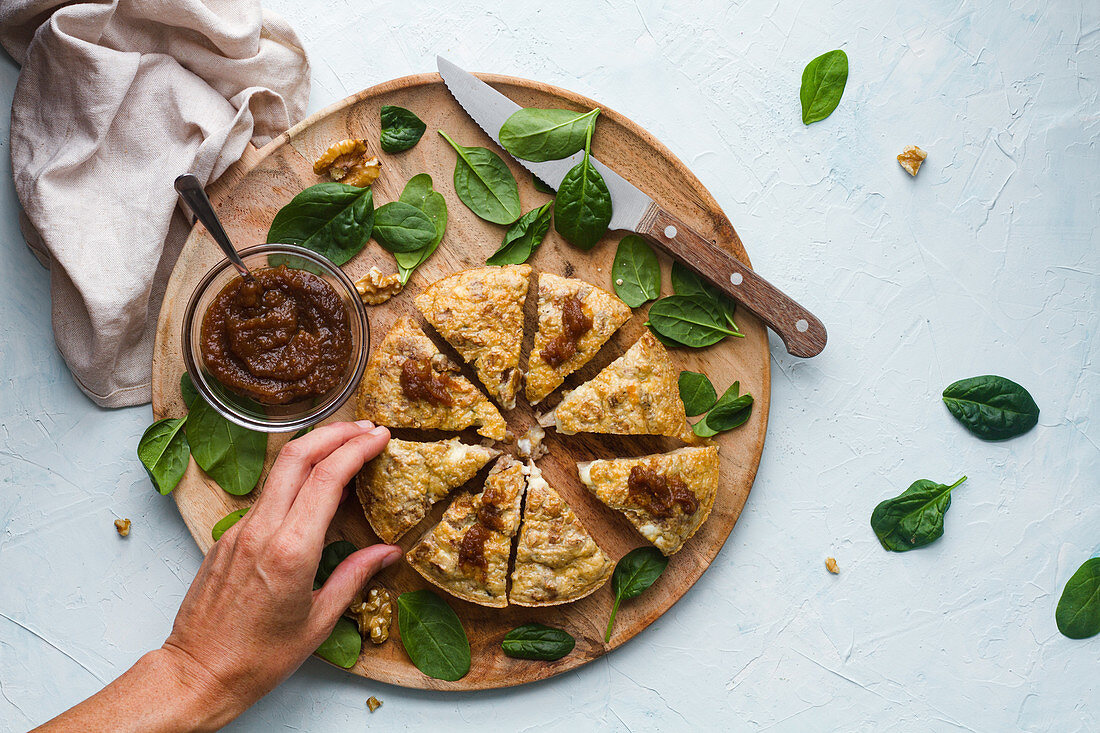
[801, 331]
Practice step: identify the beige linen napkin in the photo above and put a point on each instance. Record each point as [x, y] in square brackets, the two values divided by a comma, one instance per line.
[115, 99]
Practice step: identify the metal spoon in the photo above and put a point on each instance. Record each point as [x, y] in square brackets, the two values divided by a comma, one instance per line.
[190, 190]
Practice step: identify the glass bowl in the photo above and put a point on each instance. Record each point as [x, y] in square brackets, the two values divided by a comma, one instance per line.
[243, 410]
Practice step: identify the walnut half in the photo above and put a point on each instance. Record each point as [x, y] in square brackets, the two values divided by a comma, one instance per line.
[375, 288]
[349, 162]
[374, 615]
[911, 158]
[123, 527]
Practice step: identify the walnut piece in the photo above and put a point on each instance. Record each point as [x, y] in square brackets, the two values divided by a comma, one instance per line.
[911, 158]
[373, 703]
[375, 288]
[123, 527]
[374, 615]
[349, 162]
[530, 445]
[830, 565]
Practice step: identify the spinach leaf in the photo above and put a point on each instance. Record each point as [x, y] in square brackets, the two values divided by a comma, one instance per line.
[546, 134]
[187, 390]
[915, 517]
[669, 343]
[163, 450]
[332, 219]
[732, 410]
[432, 635]
[401, 227]
[343, 645]
[634, 573]
[692, 321]
[231, 455]
[991, 407]
[484, 183]
[823, 83]
[685, 282]
[226, 522]
[537, 641]
[524, 237]
[401, 129]
[542, 186]
[333, 554]
[697, 393]
[1078, 613]
[583, 208]
[418, 192]
[636, 272]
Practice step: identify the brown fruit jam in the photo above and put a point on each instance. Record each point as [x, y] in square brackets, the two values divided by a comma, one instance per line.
[659, 494]
[420, 382]
[471, 550]
[574, 324]
[281, 337]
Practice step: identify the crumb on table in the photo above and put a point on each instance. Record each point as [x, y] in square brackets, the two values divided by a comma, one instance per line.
[123, 527]
[373, 703]
[911, 158]
[831, 566]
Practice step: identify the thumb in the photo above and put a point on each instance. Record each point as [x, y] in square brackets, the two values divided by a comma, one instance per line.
[348, 578]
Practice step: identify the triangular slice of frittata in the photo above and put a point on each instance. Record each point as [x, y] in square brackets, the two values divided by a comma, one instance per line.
[409, 384]
[400, 485]
[575, 320]
[466, 554]
[480, 313]
[557, 561]
[637, 394]
[666, 496]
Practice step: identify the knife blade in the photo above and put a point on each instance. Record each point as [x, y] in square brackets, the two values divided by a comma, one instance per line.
[802, 333]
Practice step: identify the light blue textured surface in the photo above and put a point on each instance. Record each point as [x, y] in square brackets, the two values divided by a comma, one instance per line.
[986, 262]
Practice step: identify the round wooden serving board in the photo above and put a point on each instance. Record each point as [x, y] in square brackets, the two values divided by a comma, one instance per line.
[247, 198]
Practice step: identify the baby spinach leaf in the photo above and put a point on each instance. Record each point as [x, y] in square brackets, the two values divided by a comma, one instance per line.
[542, 186]
[685, 282]
[692, 321]
[485, 184]
[401, 129]
[668, 342]
[343, 645]
[915, 517]
[991, 407]
[583, 209]
[634, 573]
[1078, 613]
[697, 393]
[823, 83]
[432, 635]
[636, 272]
[537, 641]
[524, 237]
[333, 554]
[163, 450]
[546, 134]
[332, 219]
[401, 227]
[187, 390]
[418, 192]
[226, 522]
[231, 455]
[732, 410]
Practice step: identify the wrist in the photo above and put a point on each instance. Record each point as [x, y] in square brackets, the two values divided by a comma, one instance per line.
[195, 698]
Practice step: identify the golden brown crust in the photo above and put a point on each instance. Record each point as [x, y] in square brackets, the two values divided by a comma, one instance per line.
[382, 400]
[480, 313]
[608, 313]
[697, 468]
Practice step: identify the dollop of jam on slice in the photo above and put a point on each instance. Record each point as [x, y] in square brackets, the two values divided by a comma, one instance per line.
[659, 494]
[420, 382]
[281, 336]
[574, 324]
[471, 550]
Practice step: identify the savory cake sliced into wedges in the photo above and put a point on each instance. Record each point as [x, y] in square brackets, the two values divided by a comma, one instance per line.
[575, 320]
[400, 485]
[409, 384]
[667, 497]
[637, 394]
[557, 561]
[466, 554]
[480, 313]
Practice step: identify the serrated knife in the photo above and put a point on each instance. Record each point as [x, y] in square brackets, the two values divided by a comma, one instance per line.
[802, 333]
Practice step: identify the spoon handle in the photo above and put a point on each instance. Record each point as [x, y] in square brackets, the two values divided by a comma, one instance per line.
[193, 195]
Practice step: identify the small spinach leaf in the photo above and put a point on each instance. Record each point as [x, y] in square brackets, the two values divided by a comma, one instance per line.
[343, 645]
[546, 134]
[697, 393]
[333, 554]
[537, 641]
[401, 129]
[401, 227]
[692, 321]
[992, 407]
[542, 186]
[524, 237]
[685, 282]
[163, 450]
[1078, 613]
[915, 517]
[332, 219]
[636, 272]
[226, 522]
[732, 410]
[823, 83]
[485, 184]
[634, 573]
[231, 455]
[669, 343]
[418, 192]
[583, 209]
[432, 635]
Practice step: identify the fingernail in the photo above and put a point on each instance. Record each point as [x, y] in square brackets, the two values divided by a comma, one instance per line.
[391, 558]
[379, 431]
[365, 424]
